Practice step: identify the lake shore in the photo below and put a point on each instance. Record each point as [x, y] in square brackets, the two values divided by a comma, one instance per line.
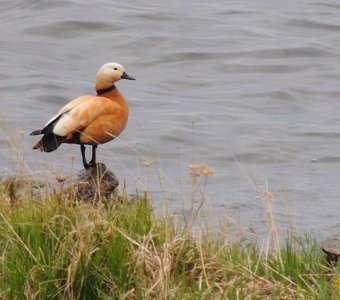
[54, 246]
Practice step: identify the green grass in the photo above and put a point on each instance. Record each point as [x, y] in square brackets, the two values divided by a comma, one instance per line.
[52, 247]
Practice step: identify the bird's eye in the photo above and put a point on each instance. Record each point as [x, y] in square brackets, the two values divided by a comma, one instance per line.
[115, 69]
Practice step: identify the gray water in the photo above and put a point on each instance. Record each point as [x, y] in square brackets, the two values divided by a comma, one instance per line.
[250, 88]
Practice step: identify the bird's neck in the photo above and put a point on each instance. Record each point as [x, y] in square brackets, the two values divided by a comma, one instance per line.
[116, 96]
[106, 90]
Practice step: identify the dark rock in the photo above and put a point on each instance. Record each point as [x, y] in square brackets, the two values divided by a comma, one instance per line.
[93, 184]
[332, 248]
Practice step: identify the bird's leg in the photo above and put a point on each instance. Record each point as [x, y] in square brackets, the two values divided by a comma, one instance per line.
[82, 150]
[93, 159]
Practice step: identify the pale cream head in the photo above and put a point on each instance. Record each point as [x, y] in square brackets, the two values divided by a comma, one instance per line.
[110, 73]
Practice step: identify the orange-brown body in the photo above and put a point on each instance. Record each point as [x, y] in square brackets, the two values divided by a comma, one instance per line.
[94, 119]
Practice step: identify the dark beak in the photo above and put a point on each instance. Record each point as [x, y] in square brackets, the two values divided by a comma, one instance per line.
[126, 76]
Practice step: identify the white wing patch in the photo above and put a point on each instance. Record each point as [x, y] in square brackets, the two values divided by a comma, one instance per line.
[65, 125]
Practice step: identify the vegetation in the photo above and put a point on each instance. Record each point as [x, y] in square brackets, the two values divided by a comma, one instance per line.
[53, 247]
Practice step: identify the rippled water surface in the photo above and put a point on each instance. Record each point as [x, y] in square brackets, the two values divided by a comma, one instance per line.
[250, 88]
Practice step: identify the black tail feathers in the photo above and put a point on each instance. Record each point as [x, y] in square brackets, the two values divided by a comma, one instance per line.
[49, 142]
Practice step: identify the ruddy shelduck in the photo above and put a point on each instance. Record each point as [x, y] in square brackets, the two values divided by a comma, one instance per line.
[89, 120]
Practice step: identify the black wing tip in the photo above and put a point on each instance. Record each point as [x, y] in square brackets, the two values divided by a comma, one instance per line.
[36, 132]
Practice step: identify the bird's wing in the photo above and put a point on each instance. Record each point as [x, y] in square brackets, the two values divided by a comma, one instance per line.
[49, 126]
[84, 114]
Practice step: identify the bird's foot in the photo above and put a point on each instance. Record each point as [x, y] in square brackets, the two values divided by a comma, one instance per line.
[91, 164]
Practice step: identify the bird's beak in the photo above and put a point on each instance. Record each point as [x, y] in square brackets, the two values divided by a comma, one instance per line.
[126, 76]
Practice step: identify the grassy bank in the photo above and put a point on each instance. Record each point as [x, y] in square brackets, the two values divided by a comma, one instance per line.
[54, 248]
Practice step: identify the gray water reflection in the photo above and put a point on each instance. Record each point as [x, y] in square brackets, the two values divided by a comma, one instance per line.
[250, 88]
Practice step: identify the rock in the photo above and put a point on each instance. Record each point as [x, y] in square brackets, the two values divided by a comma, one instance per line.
[332, 248]
[93, 184]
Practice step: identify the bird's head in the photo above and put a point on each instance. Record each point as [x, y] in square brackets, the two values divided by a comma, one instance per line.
[110, 73]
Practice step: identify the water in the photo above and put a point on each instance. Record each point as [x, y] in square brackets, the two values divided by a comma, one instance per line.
[250, 88]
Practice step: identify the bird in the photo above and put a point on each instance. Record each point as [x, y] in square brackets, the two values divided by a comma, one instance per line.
[89, 120]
